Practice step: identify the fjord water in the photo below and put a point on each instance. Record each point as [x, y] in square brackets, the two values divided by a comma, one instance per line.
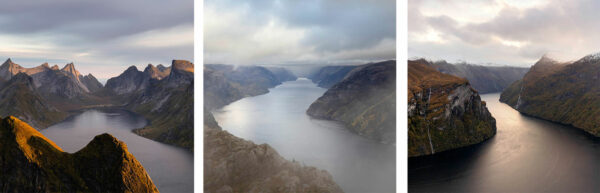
[279, 119]
[171, 168]
[526, 155]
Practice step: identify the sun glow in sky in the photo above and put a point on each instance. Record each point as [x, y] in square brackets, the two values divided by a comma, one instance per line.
[506, 32]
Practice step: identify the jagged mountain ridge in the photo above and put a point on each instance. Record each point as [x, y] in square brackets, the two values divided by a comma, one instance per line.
[444, 112]
[563, 92]
[30, 162]
[169, 104]
[365, 101]
[66, 82]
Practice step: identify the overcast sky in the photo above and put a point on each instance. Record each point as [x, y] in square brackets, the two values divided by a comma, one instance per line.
[511, 32]
[299, 32]
[100, 37]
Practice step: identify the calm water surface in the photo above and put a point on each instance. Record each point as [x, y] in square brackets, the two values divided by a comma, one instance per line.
[526, 155]
[171, 168]
[279, 119]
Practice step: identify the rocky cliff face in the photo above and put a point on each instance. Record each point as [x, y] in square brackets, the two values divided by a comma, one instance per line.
[232, 164]
[128, 82]
[365, 101]
[224, 84]
[444, 112]
[157, 73]
[564, 92]
[330, 75]
[29, 162]
[53, 82]
[19, 97]
[484, 79]
[169, 103]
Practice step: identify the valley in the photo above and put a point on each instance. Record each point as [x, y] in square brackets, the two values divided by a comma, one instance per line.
[257, 104]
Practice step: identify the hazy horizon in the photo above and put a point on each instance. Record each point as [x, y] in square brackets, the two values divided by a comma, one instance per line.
[291, 33]
[505, 32]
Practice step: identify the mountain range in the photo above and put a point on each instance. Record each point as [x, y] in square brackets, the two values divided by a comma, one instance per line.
[45, 95]
[444, 112]
[563, 92]
[484, 79]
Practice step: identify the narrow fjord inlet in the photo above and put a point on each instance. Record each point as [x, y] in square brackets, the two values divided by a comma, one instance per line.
[526, 155]
[279, 119]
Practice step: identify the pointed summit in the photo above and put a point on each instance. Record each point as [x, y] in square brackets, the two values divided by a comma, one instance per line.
[54, 67]
[70, 69]
[45, 64]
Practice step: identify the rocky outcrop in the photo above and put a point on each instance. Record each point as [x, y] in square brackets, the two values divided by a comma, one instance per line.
[224, 84]
[484, 79]
[169, 104]
[157, 73]
[232, 164]
[91, 83]
[365, 101]
[19, 97]
[444, 112]
[328, 76]
[563, 92]
[53, 82]
[128, 82]
[30, 162]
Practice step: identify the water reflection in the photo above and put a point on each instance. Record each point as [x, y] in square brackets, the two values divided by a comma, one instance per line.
[279, 119]
[171, 168]
[526, 155]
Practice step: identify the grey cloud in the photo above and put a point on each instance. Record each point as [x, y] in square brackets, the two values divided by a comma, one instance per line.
[96, 20]
[333, 25]
[559, 26]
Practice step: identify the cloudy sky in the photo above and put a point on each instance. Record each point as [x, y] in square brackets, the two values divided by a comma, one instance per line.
[509, 32]
[100, 37]
[275, 32]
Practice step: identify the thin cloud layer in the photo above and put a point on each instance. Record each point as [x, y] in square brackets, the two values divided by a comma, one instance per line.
[100, 37]
[503, 31]
[298, 32]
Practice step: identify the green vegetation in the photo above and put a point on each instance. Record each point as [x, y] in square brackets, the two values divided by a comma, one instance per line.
[444, 112]
[365, 101]
[561, 92]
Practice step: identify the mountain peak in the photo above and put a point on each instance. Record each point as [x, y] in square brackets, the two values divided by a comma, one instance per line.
[132, 68]
[104, 165]
[595, 57]
[9, 63]
[183, 65]
[54, 67]
[45, 65]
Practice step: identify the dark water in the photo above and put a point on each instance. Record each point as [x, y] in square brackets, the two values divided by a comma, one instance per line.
[279, 119]
[526, 155]
[171, 168]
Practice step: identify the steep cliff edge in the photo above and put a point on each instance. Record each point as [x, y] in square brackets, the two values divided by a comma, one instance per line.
[444, 112]
[563, 92]
[232, 164]
[365, 101]
[29, 162]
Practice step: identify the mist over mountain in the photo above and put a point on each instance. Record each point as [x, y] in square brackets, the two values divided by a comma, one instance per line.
[485, 79]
